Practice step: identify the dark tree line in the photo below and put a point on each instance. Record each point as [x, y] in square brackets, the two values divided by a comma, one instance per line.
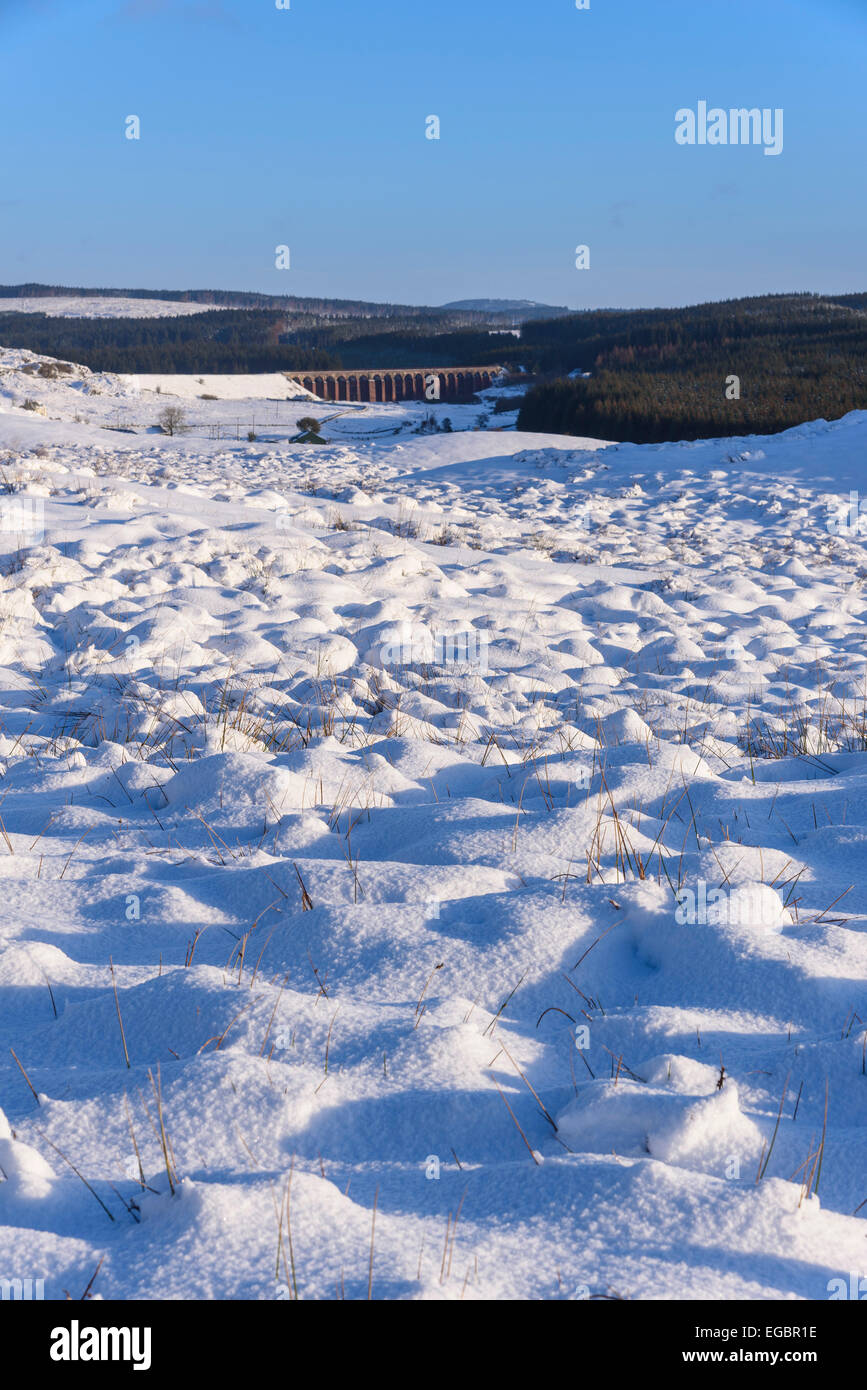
[666, 374]
[404, 344]
[219, 341]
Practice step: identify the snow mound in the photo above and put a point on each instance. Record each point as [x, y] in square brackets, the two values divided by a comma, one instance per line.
[701, 1132]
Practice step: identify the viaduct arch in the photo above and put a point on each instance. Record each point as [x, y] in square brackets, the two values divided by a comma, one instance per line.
[396, 383]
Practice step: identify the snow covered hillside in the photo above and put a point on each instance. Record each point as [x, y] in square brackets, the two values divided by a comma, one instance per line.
[432, 866]
[91, 306]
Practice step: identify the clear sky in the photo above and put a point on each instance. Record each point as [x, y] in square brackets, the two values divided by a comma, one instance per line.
[306, 127]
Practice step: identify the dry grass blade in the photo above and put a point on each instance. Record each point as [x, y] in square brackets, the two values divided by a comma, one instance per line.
[514, 1117]
[119, 1018]
[76, 1172]
[26, 1077]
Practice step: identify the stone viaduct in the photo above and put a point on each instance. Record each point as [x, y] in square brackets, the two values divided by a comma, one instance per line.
[397, 383]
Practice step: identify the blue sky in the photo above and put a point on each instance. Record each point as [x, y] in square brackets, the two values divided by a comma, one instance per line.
[306, 127]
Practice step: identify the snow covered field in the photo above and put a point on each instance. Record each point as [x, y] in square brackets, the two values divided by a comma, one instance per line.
[431, 865]
[268, 405]
[102, 307]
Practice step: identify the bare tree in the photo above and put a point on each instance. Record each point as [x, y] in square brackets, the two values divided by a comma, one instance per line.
[172, 420]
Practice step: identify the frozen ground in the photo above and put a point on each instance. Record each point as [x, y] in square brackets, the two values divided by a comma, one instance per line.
[473, 826]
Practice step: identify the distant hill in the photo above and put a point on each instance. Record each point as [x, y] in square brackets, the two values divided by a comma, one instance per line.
[464, 311]
[235, 299]
[528, 308]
